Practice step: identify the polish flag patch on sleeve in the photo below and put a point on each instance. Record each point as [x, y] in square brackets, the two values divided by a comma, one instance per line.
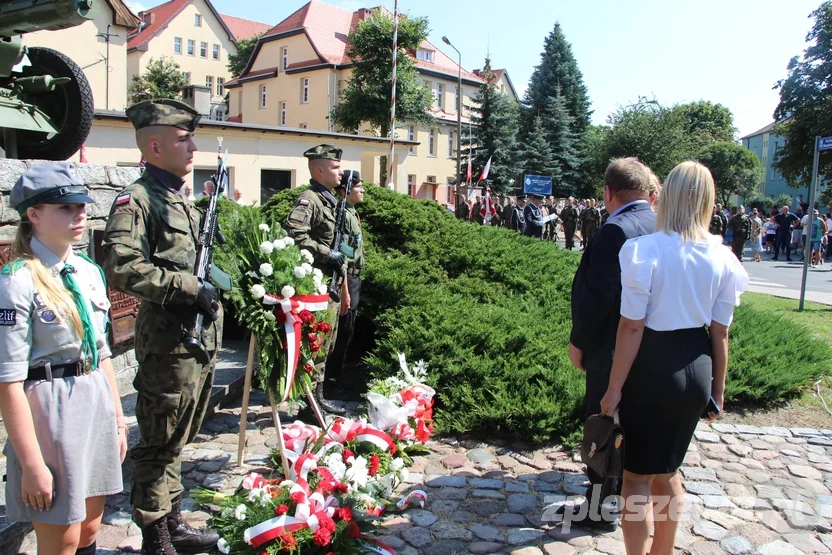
[123, 198]
[304, 202]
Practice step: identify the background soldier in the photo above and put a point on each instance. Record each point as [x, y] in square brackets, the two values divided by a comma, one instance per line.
[150, 253]
[517, 222]
[311, 223]
[590, 222]
[508, 209]
[740, 227]
[716, 223]
[464, 208]
[353, 251]
[724, 219]
[569, 217]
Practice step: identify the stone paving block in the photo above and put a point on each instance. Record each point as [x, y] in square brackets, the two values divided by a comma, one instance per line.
[703, 488]
[724, 428]
[822, 441]
[520, 487]
[522, 503]
[804, 432]
[723, 519]
[773, 520]
[717, 502]
[519, 536]
[692, 473]
[706, 548]
[486, 483]
[806, 543]
[610, 546]
[736, 545]
[706, 437]
[488, 494]
[778, 547]
[487, 532]
[445, 481]
[450, 531]
[446, 547]
[776, 431]
[746, 429]
[558, 548]
[509, 519]
[484, 547]
[526, 551]
[709, 530]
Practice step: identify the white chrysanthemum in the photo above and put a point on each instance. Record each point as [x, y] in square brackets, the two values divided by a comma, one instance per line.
[279, 244]
[223, 546]
[286, 484]
[263, 227]
[321, 289]
[317, 273]
[397, 464]
[266, 269]
[335, 464]
[308, 267]
[307, 255]
[287, 292]
[240, 511]
[300, 272]
[317, 280]
[258, 291]
[266, 247]
[289, 241]
[269, 316]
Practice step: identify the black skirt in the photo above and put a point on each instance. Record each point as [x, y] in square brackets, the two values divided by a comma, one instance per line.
[663, 398]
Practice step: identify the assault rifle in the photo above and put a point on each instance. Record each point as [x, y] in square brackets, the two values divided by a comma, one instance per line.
[208, 233]
[348, 179]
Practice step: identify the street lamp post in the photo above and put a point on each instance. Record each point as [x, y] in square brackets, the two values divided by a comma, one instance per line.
[458, 126]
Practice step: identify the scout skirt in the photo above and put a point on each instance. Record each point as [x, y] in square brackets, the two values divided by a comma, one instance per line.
[75, 423]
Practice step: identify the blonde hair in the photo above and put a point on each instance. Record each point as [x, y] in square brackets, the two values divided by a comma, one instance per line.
[55, 296]
[686, 202]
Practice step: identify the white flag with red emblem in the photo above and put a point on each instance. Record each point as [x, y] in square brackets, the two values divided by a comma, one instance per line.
[485, 170]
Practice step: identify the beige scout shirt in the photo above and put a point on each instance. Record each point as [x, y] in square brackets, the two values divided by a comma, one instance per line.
[30, 334]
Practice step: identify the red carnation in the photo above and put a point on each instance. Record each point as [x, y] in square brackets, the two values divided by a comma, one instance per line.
[315, 347]
[348, 454]
[322, 537]
[306, 317]
[327, 524]
[341, 487]
[344, 513]
[312, 337]
[375, 463]
[287, 542]
[281, 510]
[353, 531]
[308, 368]
[324, 327]
[298, 497]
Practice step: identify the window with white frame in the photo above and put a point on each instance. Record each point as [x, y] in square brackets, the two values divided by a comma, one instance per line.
[186, 75]
[191, 46]
[456, 98]
[431, 179]
[209, 82]
[411, 184]
[411, 136]
[262, 96]
[282, 113]
[432, 143]
[177, 45]
[220, 86]
[425, 55]
[448, 191]
[203, 49]
[451, 144]
[285, 58]
[304, 92]
[440, 96]
[197, 20]
[215, 51]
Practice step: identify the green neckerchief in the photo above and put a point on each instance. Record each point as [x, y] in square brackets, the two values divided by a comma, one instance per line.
[88, 344]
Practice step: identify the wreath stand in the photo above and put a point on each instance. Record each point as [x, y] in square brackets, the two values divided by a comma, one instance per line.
[241, 443]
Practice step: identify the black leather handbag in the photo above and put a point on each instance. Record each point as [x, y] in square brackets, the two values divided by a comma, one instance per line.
[602, 448]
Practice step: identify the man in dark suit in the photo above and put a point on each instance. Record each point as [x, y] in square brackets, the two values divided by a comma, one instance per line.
[783, 239]
[596, 308]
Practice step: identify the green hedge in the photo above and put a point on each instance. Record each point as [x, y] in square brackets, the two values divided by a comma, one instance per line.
[489, 311]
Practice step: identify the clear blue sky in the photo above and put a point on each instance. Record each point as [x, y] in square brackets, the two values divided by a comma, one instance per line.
[726, 51]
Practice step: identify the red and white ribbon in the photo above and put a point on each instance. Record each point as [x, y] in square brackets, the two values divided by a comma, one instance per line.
[297, 434]
[287, 312]
[344, 430]
[271, 529]
[377, 438]
[375, 546]
[416, 496]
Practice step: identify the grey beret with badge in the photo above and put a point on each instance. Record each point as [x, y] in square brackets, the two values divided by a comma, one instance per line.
[163, 111]
[50, 183]
[324, 152]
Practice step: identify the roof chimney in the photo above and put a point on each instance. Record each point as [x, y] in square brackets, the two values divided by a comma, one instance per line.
[148, 17]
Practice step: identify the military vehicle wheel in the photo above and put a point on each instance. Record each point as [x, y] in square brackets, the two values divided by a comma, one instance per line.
[69, 106]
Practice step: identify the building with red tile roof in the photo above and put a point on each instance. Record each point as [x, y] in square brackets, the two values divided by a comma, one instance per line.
[244, 28]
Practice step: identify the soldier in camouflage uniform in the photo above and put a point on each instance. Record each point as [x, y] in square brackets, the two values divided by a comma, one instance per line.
[150, 253]
[353, 250]
[740, 227]
[590, 220]
[716, 223]
[569, 217]
[311, 223]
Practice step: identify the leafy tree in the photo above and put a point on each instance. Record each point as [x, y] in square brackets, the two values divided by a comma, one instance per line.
[736, 170]
[495, 119]
[595, 163]
[709, 121]
[162, 78]
[783, 200]
[537, 155]
[825, 197]
[237, 62]
[367, 97]
[657, 135]
[564, 143]
[804, 111]
[558, 69]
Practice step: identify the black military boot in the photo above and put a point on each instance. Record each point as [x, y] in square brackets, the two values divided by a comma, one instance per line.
[325, 405]
[156, 539]
[185, 538]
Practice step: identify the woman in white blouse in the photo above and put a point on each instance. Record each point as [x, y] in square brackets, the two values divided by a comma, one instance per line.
[679, 289]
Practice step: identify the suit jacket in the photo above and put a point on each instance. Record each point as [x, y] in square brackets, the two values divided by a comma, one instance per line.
[596, 289]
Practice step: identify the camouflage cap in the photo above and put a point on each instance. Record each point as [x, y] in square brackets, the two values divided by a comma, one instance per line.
[163, 111]
[324, 152]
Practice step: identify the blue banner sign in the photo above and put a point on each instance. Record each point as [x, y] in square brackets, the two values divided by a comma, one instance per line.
[537, 185]
[825, 143]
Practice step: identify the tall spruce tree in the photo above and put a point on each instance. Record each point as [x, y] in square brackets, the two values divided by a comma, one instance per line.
[564, 143]
[558, 68]
[495, 118]
[537, 153]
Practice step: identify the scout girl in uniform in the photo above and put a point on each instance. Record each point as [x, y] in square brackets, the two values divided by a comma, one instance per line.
[58, 394]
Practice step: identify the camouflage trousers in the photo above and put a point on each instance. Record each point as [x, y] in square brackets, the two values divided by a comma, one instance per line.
[333, 315]
[173, 392]
[589, 232]
[569, 235]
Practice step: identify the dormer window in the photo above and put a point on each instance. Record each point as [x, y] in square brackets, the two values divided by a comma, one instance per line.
[425, 55]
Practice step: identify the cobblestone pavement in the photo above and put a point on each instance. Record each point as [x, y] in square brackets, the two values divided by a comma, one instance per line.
[749, 490]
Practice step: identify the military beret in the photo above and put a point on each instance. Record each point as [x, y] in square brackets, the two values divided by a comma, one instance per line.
[50, 183]
[163, 111]
[353, 176]
[324, 152]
